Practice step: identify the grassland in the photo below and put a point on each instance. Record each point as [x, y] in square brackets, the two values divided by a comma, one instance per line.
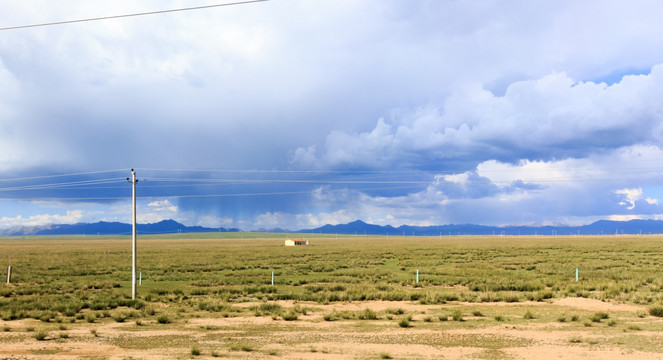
[210, 295]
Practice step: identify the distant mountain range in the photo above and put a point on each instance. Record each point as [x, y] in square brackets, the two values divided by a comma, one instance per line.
[109, 228]
[602, 227]
[596, 228]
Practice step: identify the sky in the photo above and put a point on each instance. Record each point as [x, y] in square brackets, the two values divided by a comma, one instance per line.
[300, 113]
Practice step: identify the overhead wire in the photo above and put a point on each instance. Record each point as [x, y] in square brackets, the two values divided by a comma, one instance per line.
[129, 15]
[380, 177]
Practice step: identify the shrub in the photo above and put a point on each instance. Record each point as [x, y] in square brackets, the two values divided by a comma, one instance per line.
[40, 335]
[90, 317]
[477, 313]
[332, 316]
[404, 323]
[528, 315]
[656, 310]
[120, 317]
[368, 314]
[457, 315]
[289, 315]
[195, 351]
[163, 319]
[385, 355]
[499, 318]
[597, 317]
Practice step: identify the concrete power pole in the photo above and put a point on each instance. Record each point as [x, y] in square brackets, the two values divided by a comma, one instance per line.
[133, 182]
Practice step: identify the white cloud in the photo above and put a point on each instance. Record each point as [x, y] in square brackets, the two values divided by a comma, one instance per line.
[631, 196]
[550, 117]
[162, 206]
[70, 217]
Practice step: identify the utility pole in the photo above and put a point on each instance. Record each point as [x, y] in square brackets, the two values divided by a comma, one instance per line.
[133, 182]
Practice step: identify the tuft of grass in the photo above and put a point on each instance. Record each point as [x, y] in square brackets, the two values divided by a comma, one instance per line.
[195, 351]
[634, 328]
[575, 318]
[457, 315]
[63, 335]
[404, 322]
[290, 315]
[575, 340]
[90, 317]
[499, 318]
[332, 316]
[6, 328]
[163, 319]
[385, 355]
[120, 317]
[368, 314]
[428, 319]
[529, 316]
[477, 313]
[601, 315]
[94, 332]
[656, 310]
[561, 318]
[40, 335]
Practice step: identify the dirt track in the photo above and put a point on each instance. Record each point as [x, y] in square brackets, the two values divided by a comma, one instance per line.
[311, 337]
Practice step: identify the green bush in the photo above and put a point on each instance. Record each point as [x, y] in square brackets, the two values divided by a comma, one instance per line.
[40, 335]
[163, 319]
[656, 310]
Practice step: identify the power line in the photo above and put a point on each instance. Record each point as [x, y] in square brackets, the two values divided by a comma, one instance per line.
[130, 15]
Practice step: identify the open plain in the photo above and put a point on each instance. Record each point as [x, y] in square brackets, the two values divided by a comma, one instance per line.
[342, 297]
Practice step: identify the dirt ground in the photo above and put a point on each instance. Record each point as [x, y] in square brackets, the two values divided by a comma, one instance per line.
[631, 335]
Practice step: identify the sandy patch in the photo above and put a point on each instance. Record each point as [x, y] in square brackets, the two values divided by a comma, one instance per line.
[596, 305]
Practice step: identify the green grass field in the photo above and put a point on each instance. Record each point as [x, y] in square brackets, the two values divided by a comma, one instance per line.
[50, 275]
[86, 280]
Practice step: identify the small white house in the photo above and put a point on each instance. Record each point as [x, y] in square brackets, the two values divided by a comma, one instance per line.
[296, 242]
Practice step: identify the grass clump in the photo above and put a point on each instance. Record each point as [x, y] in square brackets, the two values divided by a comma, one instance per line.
[290, 315]
[575, 340]
[368, 314]
[385, 355]
[656, 310]
[40, 335]
[601, 315]
[529, 316]
[499, 318]
[404, 322]
[195, 351]
[164, 319]
[457, 315]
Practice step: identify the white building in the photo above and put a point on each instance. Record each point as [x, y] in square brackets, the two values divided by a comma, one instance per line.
[296, 242]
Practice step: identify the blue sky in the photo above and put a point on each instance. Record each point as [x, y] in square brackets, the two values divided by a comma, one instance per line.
[296, 114]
